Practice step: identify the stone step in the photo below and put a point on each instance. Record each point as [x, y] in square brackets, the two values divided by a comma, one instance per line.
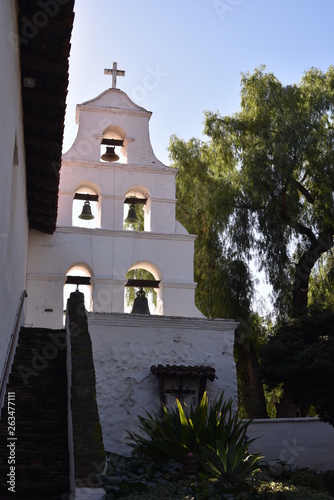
[39, 401]
[31, 487]
[34, 437]
[42, 459]
[54, 380]
[38, 361]
[31, 452]
[38, 491]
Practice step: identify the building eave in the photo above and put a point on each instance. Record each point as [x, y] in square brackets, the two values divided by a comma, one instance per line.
[44, 44]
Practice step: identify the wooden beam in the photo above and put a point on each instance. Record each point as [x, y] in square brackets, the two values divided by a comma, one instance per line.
[77, 280]
[83, 196]
[42, 65]
[143, 283]
[42, 208]
[44, 98]
[39, 182]
[42, 142]
[42, 122]
[112, 142]
[135, 201]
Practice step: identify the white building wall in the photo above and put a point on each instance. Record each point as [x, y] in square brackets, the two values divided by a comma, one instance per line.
[13, 203]
[300, 442]
[110, 254]
[114, 181]
[126, 346]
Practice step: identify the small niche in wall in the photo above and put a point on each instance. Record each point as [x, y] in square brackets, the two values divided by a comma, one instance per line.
[185, 383]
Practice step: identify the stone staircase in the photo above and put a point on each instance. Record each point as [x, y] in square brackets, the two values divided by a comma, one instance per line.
[38, 382]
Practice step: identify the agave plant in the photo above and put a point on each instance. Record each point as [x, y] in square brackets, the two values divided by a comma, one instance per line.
[228, 463]
[182, 430]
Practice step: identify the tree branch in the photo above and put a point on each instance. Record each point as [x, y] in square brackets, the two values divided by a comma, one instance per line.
[300, 228]
[304, 191]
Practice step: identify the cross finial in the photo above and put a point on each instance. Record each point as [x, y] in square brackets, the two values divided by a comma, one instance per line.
[115, 73]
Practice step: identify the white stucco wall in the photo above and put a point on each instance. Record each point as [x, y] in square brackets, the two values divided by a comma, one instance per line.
[165, 248]
[113, 181]
[110, 254]
[114, 115]
[301, 442]
[13, 211]
[126, 346]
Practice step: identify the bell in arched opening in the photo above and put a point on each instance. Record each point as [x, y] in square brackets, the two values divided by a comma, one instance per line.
[132, 216]
[86, 213]
[110, 154]
[140, 305]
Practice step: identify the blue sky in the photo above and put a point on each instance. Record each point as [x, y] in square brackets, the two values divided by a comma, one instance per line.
[182, 57]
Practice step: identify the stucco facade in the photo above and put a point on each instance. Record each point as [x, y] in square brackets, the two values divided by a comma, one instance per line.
[104, 249]
[13, 199]
[126, 346]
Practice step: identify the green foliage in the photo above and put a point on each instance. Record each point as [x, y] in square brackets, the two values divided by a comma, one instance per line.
[202, 202]
[263, 184]
[206, 429]
[273, 397]
[138, 226]
[126, 476]
[136, 478]
[279, 481]
[321, 292]
[300, 356]
[230, 464]
[130, 292]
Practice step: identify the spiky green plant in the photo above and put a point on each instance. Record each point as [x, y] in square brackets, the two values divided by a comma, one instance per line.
[182, 430]
[231, 464]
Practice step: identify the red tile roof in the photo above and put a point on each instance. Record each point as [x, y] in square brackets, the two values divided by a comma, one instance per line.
[182, 371]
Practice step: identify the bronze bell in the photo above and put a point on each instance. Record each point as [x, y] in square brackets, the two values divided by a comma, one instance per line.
[132, 216]
[140, 305]
[110, 154]
[86, 213]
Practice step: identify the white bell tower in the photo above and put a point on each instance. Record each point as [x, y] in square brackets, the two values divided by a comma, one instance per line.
[113, 127]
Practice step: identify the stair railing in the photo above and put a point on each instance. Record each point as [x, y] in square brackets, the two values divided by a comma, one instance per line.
[11, 350]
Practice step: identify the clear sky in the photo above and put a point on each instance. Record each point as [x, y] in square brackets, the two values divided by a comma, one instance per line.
[182, 57]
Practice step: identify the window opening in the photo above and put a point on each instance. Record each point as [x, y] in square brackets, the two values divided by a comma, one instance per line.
[134, 215]
[111, 150]
[85, 212]
[78, 278]
[138, 279]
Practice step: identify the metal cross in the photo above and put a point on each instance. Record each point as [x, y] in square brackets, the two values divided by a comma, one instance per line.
[115, 73]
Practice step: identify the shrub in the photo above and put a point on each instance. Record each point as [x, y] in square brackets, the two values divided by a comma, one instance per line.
[212, 432]
[230, 464]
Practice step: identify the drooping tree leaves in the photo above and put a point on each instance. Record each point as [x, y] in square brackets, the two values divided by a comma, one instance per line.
[280, 149]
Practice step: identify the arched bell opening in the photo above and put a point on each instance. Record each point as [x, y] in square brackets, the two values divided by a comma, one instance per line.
[141, 293]
[78, 277]
[136, 214]
[86, 208]
[113, 145]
